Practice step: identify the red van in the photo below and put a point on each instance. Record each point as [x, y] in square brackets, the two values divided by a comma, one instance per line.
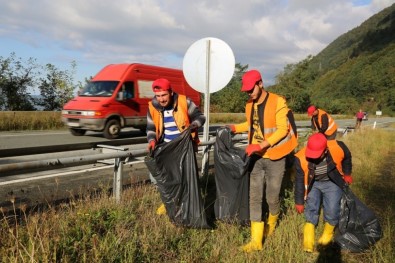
[118, 96]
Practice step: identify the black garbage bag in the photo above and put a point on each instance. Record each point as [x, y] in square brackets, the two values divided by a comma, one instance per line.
[174, 167]
[151, 165]
[231, 179]
[359, 227]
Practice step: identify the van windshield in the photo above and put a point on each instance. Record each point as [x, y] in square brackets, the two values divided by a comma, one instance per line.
[99, 89]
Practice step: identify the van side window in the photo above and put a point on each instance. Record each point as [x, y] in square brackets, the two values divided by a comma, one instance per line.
[129, 89]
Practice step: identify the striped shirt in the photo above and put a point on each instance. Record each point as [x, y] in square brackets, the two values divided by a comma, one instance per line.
[171, 130]
[321, 171]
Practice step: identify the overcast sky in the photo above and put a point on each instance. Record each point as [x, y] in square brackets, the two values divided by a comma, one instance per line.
[265, 34]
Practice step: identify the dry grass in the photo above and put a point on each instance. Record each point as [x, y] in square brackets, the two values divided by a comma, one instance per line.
[30, 120]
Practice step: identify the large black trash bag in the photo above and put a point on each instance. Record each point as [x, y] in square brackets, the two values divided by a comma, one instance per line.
[231, 179]
[359, 227]
[174, 167]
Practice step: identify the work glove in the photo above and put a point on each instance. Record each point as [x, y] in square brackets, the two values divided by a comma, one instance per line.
[231, 127]
[299, 208]
[347, 178]
[193, 126]
[253, 148]
[151, 145]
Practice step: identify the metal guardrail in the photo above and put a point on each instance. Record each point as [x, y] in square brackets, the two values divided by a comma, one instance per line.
[88, 159]
[120, 155]
[65, 147]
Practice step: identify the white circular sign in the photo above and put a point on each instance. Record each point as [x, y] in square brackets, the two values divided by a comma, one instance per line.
[209, 63]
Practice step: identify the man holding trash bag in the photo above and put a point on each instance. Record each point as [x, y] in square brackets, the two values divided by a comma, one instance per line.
[168, 115]
[271, 138]
[322, 169]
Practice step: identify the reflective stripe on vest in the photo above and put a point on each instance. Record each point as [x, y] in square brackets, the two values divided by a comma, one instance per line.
[331, 123]
[304, 165]
[332, 127]
[287, 138]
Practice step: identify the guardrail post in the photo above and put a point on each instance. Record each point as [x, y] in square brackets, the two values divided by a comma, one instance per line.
[118, 172]
[205, 159]
[117, 182]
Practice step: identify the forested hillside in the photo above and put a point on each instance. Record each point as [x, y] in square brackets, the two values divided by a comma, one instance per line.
[355, 70]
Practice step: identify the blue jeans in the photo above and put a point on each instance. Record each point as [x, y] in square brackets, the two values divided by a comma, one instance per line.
[330, 194]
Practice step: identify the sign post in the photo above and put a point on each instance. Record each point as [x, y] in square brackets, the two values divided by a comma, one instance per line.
[208, 66]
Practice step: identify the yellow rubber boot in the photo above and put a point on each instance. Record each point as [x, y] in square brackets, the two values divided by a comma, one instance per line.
[271, 224]
[308, 237]
[327, 235]
[161, 210]
[256, 238]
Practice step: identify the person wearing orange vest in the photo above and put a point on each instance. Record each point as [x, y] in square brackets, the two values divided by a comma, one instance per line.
[169, 114]
[322, 122]
[271, 138]
[323, 167]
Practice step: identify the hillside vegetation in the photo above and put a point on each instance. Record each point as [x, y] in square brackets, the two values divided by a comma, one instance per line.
[356, 70]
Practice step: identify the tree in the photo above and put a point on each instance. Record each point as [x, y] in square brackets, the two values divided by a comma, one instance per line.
[293, 83]
[57, 88]
[391, 100]
[16, 79]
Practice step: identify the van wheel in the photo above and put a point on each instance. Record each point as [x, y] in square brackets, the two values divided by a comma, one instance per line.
[77, 132]
[112, 129]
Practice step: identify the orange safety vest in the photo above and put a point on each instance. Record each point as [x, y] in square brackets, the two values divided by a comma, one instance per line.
[332, 126]
[284, 146]
[180, 115]
[337, 155]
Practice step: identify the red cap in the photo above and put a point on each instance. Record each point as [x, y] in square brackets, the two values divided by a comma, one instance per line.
[316, 145]
[161, 85]
[249, 79]
[311, 110]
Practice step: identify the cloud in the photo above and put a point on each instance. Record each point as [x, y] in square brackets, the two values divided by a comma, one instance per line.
[264, 34]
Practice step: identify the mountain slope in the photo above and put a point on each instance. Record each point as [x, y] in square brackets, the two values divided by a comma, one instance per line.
[358, 68]
[371, 36]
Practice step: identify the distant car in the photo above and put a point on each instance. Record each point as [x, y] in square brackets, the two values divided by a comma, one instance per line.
[365, 116]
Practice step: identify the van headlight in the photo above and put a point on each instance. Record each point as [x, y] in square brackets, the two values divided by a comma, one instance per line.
[65, 112]
[88, 113]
